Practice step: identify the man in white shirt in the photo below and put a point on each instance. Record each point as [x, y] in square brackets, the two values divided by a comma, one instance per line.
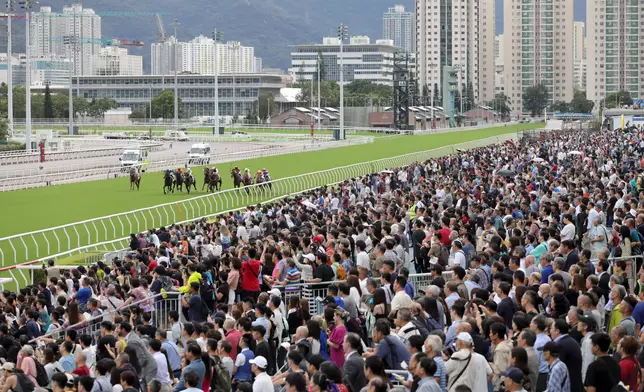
[362, 259]
[162, 375]
[406, 327]
[401, 298]
[263, 381]
[568, 231]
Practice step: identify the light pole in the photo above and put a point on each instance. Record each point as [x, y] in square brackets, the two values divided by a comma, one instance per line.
[175, 23]
[27, 5]
[69, 40]
[11, 7]
[431, 67]
[217, 35]
[319, 103]
[342, 35]
[150, 103]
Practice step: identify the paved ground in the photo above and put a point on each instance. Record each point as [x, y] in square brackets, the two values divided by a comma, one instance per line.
[179, 150]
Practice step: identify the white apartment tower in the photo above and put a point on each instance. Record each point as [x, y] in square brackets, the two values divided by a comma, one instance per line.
[113, 60]
[197, 56]
[48, 30]
[614, 48]
[457, 33]
[539, 49]
[579, 41]
[399, 26]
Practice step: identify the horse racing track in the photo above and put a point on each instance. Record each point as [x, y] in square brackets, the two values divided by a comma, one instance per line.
[48, 207]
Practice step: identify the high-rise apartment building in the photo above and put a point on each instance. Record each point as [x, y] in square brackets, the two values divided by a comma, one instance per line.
[399, 26]
[198, 56]
[113, 60]
[539, 49]
[579, 41]
[615, 48]
[457, 33]
[48, 30]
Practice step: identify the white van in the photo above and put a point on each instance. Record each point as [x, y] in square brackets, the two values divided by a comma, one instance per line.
[137, 157]
[176, 135]
[199, 154]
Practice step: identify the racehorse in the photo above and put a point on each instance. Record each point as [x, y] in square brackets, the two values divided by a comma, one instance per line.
[269, 181]
[248, 181]
[135, 179]
[206, 177]
[178, 180]
[214, 181]
[259, 180]
[168, 181]
[190, 182]
[237, 178]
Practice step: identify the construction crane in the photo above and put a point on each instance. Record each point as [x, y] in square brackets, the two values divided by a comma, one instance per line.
[161, 34]
[103, 41]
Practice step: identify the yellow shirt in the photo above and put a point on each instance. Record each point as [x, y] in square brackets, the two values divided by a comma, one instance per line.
[195, 277]
[615, 317]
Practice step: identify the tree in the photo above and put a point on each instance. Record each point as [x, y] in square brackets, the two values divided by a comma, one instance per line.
[266, 104]
[163, 105]
[329, 92]
[500, 104]
[560, 106]
[470, 96]
[98, 107]
[437, 95]
[535, 99]
[321, 66]
[618, 99]
[580, 104]
[48, 111]
[4, 129]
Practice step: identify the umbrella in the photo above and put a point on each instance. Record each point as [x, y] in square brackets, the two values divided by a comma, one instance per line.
[537, 160]
[387, 172]
[506, 173]
[308, 204]
[574, 153]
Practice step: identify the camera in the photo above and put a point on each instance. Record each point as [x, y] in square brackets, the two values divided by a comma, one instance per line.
[448, 351]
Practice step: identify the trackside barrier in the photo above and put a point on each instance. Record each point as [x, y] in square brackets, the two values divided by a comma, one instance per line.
[34, 157]
[109, 232]
[32, 178]
[162, 305]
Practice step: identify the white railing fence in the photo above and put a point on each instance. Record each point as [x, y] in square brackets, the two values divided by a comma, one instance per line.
[109, 233]
[34, 157]
[36, 177]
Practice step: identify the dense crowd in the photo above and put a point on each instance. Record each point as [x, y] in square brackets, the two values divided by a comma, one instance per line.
[533, 247]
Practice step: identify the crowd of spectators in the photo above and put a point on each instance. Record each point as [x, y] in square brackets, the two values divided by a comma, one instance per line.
[533, 249]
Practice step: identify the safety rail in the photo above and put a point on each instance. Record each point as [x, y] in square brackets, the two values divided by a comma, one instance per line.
[80, 172]
[162, 305]
[78, 236]
[33, 157]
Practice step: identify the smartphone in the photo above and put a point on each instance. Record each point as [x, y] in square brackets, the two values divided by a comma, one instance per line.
[541, 308]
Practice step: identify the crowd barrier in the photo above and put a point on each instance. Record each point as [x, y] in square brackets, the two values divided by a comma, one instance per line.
[74, 238]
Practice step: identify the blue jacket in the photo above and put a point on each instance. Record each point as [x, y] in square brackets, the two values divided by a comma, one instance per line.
[195, 365]
[243, 372]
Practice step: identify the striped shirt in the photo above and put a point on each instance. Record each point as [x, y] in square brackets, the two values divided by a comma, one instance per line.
[441, 373]
[293, 278]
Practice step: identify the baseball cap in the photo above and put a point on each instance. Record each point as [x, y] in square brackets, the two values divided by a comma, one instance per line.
[465, 337]
[514, 374]
[8, 366]
[318, 238]
[590, 321]
[309, 257]
[551, 347]
[260, 362]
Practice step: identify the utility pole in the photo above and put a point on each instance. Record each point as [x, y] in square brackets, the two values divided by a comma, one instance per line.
[11, 8]
[175, 23]
[27, 5]
[217, 35]
[342, 35]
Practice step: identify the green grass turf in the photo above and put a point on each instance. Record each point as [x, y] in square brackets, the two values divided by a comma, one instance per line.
[41, 208]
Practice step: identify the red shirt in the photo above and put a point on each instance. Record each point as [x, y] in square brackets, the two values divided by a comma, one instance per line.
[445, 232]
[630, 368]
[250, 275]
[153, 264]
[233, 337]
[81, 371]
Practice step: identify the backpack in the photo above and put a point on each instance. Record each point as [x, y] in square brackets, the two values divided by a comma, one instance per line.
[220, 377]
[41, 374]
[25, 383]
[443, 257]
[166, 285]
[206, 287]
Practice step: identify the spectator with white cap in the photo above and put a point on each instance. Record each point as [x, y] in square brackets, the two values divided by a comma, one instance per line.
[467, 368]
[263, 381]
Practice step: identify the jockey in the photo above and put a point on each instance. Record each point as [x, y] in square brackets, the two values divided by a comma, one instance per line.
[265, 173]
[188, 172]
[215, 169]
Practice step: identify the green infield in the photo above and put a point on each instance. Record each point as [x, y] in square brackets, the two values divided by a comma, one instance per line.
[41, 208]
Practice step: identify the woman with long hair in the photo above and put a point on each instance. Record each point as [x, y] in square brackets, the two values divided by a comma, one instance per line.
[379, 306]
[294, 315]
[336, 338]
[354, 289]
[519, 359]
[333, 373]
[324, 336]
[434, 320]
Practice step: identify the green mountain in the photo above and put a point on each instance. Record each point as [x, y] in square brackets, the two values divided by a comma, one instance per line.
[268, 25]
